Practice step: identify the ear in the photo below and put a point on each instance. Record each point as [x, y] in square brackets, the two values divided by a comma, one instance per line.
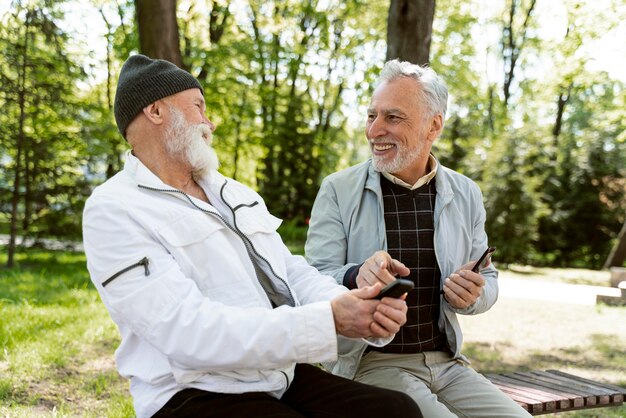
[436, 126]
[154, 112]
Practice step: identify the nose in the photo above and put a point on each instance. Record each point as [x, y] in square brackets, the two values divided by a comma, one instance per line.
[375, 127]
[208, 122]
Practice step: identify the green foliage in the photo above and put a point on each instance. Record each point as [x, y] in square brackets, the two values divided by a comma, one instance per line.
[293, 235]
[276, 76]
[286, 83]
[511, 207]
[554, 183]
[41, 149]
[586, 188]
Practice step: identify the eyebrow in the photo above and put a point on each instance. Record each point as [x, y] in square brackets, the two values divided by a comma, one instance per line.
[387, 111]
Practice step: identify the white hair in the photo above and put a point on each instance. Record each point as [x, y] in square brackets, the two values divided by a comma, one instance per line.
[433, 91]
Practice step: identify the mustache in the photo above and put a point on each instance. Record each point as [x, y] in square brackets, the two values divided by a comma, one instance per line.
[206, 133]
[384, 140]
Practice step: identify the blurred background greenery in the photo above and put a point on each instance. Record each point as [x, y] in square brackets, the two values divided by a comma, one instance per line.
[536, 116]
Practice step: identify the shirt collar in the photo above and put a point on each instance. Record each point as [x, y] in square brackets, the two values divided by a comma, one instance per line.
[425, 179]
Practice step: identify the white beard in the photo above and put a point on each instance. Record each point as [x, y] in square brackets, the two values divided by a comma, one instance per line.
[193, 143]
[405, 156]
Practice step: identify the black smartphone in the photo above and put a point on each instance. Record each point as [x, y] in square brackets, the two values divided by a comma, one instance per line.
[395, 289]
[483, 260]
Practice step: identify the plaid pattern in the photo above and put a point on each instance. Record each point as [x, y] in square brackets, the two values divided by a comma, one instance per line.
[409, 219]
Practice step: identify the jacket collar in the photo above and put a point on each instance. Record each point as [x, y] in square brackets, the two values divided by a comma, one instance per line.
[143, 176]
[442, 180]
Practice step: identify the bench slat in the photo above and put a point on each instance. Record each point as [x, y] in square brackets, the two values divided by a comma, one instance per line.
[615, 392]
[536, 393]
[552, 391]
[576, 399]
[560, 386]
[601, 395]
[533, 406]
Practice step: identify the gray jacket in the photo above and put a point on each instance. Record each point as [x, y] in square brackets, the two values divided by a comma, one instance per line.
[347, 226]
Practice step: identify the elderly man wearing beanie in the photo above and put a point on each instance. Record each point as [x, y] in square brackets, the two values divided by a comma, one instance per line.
[216, 317]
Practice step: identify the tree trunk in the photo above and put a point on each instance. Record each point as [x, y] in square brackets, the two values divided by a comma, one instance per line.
[19, 144]
[512, 45]
[409, 30]
[158, 30]
[618, 253]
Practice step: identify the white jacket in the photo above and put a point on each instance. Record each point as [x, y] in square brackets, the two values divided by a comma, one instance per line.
[180, 285]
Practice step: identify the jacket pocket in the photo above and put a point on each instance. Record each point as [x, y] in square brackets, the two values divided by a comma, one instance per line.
[143, 263]
[255, 220]
[199, 244]
[189, 230]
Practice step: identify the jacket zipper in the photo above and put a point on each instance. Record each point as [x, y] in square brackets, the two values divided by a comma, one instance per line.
[246, 241]
[143, 262]
[249, 245]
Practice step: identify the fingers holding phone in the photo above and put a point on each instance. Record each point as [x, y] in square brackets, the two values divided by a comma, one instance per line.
[389, 316]
[358, 314]
[380, 268]
[462, 289]
[465, 286]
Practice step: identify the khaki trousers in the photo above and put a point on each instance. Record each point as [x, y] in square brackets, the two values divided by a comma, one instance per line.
[441, 386]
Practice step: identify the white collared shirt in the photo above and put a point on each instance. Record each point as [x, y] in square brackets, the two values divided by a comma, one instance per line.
[425, 179]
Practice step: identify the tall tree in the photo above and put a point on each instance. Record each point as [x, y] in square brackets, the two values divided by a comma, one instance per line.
[409, 30]
[303, 60]
[514, 37]
[158, 30]
[41, 149]
[453, 49]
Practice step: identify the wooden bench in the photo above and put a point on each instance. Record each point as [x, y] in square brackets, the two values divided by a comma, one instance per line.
[552, 391]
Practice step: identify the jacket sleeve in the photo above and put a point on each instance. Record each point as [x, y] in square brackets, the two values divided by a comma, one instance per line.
[310, 285]
[162, 306]
[479, 244]
[326, 245]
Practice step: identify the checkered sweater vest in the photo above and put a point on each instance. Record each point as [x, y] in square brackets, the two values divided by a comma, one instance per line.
[409, 219]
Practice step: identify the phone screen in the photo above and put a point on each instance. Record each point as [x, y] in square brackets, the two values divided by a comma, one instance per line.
[395, 289]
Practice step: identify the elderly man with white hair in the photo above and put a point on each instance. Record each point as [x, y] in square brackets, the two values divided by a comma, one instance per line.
[401, 213]
[217, 318]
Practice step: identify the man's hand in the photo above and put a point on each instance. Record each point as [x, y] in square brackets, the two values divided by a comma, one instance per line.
[380, 268]
[463, 287]
[357, 315]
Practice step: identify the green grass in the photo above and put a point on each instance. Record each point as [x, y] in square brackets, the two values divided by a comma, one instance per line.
[57, 340]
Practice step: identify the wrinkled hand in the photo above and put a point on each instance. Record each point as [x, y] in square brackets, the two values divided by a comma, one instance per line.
[463, 287]
[380, 268]
[357, 315]
[390, 315]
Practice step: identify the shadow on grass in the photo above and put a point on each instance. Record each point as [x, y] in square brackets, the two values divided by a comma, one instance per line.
[603, 355]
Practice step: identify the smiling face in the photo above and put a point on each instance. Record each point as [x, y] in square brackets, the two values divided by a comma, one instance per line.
[400, 130]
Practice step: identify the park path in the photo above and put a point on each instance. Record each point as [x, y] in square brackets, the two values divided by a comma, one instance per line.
[49, 244]
[516, 288]
[540, 324]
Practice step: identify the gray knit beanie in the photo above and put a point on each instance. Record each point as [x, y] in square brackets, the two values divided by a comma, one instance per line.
[143, 81]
